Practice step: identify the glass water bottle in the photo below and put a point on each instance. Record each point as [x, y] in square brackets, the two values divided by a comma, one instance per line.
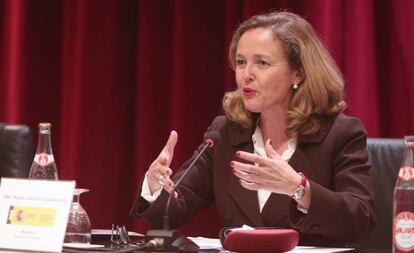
[403, 214]
[44, 166]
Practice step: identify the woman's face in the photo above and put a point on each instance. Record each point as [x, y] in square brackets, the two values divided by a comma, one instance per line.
[263, 74]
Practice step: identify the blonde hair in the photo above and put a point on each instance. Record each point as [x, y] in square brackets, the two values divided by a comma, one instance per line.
[321, 92]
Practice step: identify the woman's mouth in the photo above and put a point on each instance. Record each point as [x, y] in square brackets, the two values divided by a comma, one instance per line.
[248, 92]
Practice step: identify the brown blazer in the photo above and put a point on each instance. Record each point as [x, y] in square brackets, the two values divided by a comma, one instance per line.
[335, 160]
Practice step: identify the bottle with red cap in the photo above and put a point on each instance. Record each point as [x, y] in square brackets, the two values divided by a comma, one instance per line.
[403, 214]
[44, 166]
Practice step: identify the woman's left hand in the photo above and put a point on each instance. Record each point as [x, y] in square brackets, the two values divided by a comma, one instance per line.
[270, 173]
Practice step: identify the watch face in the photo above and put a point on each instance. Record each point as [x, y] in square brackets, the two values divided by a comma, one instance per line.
[299, 192]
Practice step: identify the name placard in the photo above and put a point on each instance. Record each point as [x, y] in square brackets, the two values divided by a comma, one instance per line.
[34, 213]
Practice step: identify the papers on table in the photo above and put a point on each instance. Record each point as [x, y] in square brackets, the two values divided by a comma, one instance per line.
[82, 245]
[207, 243]
[304, 249]
[212, 243]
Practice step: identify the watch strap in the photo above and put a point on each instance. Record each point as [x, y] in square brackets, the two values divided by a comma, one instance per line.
[304, 180]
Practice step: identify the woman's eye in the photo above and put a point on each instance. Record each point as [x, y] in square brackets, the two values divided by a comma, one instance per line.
[239, 62]
[262, 63]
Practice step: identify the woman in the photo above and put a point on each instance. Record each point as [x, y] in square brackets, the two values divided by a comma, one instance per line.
[288, 156]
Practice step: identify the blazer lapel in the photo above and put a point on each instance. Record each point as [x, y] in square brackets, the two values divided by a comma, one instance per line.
[276, 208]
[246, 200]
[300, 163]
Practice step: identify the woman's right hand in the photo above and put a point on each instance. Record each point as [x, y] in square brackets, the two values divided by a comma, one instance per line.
[159, 172]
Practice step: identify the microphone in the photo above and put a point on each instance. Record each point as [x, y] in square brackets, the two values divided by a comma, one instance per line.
[170, 240]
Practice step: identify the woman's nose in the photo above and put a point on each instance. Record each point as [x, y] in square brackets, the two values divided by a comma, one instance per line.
[248, 73]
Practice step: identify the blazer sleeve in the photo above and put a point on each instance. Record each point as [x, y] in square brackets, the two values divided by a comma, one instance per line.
[195, 192]
[344, 210]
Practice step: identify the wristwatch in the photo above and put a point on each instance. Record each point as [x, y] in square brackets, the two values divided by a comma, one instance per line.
[300, 191]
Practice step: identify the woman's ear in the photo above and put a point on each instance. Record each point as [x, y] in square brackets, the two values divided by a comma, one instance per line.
[299, 75]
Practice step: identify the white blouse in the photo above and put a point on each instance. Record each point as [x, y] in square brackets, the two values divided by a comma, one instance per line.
[259, 149]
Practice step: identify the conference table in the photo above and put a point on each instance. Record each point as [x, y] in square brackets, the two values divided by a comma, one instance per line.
[215, 247]
[105, 243]
[296, 250]
[314, 250]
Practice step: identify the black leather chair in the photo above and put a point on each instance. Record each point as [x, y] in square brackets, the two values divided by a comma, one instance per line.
[16, 150]
[386, 157]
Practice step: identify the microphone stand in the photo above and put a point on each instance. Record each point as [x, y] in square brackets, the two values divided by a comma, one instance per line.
[166, 240]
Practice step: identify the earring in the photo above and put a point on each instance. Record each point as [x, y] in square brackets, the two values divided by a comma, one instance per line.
[295, 86]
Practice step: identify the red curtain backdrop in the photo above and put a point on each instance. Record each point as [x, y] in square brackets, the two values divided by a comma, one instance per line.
[114, 77]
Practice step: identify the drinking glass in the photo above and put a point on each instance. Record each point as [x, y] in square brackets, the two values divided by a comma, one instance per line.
[79, 225]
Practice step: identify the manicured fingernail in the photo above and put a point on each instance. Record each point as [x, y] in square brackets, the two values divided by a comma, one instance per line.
[238, 153]
[231, 163]
[233, 171]
[270, 141]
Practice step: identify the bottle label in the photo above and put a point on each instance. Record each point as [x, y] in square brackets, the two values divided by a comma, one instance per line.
[406, 173]
[403, 231]
[43, 159]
